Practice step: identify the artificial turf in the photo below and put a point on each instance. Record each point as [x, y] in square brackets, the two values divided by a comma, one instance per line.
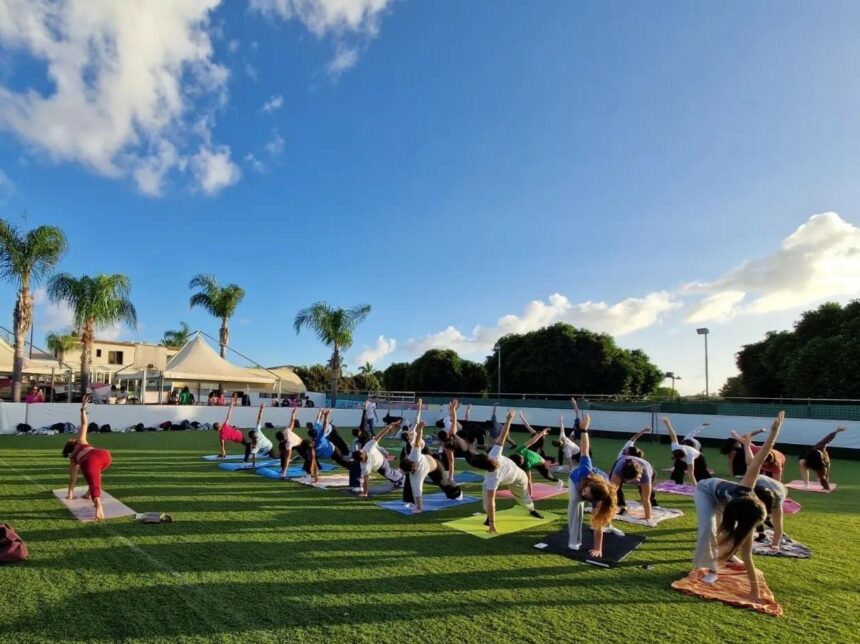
[251, 559]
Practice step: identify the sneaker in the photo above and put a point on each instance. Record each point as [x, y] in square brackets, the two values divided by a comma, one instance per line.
[736, 560]
[559, 485]
[356, 490]
[536, 514]
[576, 547]
[487, 521]
[613, 530]
[710, 578]
[459, 497]
[622, 511]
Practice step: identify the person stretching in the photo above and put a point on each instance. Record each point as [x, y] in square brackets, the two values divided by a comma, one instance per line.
[772, 494]
[527, 460]
[258, 442]
[690, 438]
[687, 459]
[818, 460]
[496, 428]
[503, 471]
[226, 432]
[639, 472]
[630, 449]
[773, 465]
[727, 514]
[372, 459]
[536, 445]
[588, 483]
[288, 441]
[566, 447]
[419, 466]
[92, 461]
[734, 452]
[319, 446]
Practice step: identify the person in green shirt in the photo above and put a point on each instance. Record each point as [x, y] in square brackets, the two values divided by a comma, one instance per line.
[528, 460]
[185, 397]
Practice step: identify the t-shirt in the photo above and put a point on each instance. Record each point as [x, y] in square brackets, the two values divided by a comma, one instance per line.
[291, 438]
[264, 445]
[647, 470]
[506, 473]
[569, 449]
[586, 467]
[690, 453]
[322, 444]
[416, 478]
[185, 398]
[624, 449]
[723, 491]
[230, 433]
[778, 489]
[374, 460]
[371, 410]
[532, 459]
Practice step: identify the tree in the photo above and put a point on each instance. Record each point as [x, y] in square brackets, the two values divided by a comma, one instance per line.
[316, 377]
[25, 260]
[219, 301]
[176, 339]
[397, 376]
[61, 343]
[96, 302]
[334, 328]
[441, 371]
[366, 368]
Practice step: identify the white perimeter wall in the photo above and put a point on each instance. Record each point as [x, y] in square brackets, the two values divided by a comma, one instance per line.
[795, 431]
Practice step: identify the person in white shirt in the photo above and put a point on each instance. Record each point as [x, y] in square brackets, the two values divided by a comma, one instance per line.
[502, 471]
[630, 449]
[569, 449]
[258, 443]
[371, 416]
[419, 466]
[288, 441]
[372, 459]
[691, 440]
[688, 460]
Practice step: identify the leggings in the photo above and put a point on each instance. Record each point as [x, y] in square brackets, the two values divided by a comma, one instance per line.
[622, 503]
[91, 466]
[438, 478]
[544, 472]
[700, 470]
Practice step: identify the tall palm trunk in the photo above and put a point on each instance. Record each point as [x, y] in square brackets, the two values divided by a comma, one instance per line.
[23, 320]
[335, 374]
[224, 336]
[87, 339]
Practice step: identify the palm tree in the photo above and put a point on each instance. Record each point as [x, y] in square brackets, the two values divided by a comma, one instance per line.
[176, 339]
[219, 301]
[366, 368]
[334, 328]
[25, 259]
[60, 343]
[96, 302]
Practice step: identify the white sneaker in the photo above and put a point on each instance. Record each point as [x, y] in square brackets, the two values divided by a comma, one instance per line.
[736, 560]
[356, 490]
[576, 547]
[710, 578]
[613, 530]
[460, 497]
[559, 485]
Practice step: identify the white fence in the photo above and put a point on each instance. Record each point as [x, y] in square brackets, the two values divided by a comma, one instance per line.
[794, 432]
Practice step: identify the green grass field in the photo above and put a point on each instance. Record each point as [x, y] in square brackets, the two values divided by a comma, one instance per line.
[250, 559]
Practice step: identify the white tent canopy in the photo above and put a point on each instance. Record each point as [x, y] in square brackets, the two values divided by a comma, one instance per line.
[32, 366]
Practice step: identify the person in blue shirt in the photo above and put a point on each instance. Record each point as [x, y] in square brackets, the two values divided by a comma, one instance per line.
[323, 445]
[588, 483]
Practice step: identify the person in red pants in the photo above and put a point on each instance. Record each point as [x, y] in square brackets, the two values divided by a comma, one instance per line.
[91, 461]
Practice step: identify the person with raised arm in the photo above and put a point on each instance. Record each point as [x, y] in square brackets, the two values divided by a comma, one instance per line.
[630, 449]
[528, 459]
[690, 437]
[372, 459]
[537, 444]
[322, 443]
[226, 432]
[688, 460]
[418, 466]
[566, 447]
[818, 460]
[91, 461]
[771, 493]
[288, 440]
[733, 449]
[773, 465]
[727, 514]
[496, 427]
[258, 442]
[502, 471]
[577, 419]
[588, 483]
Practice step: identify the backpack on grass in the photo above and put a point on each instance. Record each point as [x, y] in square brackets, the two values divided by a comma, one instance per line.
[12, 548]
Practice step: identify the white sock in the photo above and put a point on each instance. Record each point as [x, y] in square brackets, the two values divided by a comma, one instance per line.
[710, 578]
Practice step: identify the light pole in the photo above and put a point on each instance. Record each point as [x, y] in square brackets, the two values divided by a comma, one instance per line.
[671, 374]
[498, 349]
[703, 331]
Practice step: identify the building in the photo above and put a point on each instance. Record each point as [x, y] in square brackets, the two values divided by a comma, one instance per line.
[112, 357]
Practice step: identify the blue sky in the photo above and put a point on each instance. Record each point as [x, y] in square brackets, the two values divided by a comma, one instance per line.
[634, 168]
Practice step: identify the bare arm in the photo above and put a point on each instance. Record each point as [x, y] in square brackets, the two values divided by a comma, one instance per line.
[230, 410]
[597, 550]
[503, 437]
[575, 407]
[645, 493]
[673, 437]
[776, 516]
[640, 434]
[468, 412]
[418, 415]
[534, 439]
[491, 511]
[260, 415]
[746, 555]
[419, 434]
[386, 430]
[585, 441]
[73, 477]
[754, 466]
[529, 428]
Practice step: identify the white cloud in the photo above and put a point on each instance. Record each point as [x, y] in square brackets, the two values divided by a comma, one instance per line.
[350, 23]
[819, 260]
[214, 170]
[274, 103]
[276, 145]
[255, 163]
[233, 46]
[374, 354]
[621, 318]
[7, 186]
[124, 77]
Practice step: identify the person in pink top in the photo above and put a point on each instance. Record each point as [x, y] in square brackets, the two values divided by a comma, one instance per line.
[226, 432]
[773, 465]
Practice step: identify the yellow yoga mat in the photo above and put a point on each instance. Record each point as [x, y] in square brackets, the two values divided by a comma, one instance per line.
[507, 522]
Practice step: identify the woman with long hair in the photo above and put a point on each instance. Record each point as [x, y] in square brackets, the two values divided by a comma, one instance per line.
[818, 460]
[728, 514]
[91, 461]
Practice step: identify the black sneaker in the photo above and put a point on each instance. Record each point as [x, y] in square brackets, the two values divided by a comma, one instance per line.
[487, 521]
[536, 514]
[622, 511]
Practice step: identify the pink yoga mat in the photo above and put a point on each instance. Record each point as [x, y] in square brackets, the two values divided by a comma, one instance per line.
[812, 487]
[790, 506]
[85, 511]
[540, 491]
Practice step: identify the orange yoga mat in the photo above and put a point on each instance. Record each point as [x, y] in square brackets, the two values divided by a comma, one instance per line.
[732, 587]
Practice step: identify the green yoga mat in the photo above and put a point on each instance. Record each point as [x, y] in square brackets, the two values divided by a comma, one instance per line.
[507, 522]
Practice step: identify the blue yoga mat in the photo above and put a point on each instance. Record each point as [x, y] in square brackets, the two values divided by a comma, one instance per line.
[293, 472]
[238, 467]
[468, 477]
[229, 457]
[432, 503]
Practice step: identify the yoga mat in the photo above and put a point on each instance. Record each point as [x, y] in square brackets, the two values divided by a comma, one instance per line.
[293, 471]
[229, 457]
[812, 487]
[236, 467]
[636, 514]
[507, 522]
[732, 587]
[790, 548]
[615, 548]
[790, 506]
[432, 503]
[540, 491]
[332, 480]
[468, 477]
[85, 511]
[685, 489]
[379, 488]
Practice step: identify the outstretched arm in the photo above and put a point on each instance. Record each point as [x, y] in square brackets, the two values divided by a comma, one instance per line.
[575, 407]
[230, 410]
[260, 416]
[695, 432]
[503, 437]
[452, 411]
[419, 434]
[640, 434]
[755, 464]
[418, 415]
[673, 437]
[386, 430]
[585, 440]
[468, 412]
[529, 428]
[534, 439]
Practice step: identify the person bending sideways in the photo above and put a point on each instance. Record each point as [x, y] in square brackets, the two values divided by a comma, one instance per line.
[91, 461]
[288, 441]
[226, 432]
[419, 466]
[502, 471]
[634, 471]
[588, 483]
[372, 459]
[323, 443]
[772, 466]
[727, 514]
[527, 460]
[258, 443]
[818, 460]
[567, 449]
[734, 452]
[688, 460]
[772, 494]
[630, 448]
[538, 443]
